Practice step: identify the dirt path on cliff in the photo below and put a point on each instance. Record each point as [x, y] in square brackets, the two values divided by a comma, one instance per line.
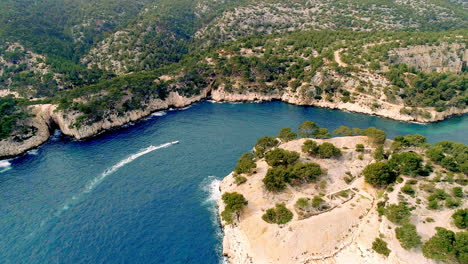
[338, 58]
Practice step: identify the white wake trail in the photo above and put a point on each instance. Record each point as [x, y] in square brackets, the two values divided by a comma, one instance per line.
[4, 165]
[96, 181]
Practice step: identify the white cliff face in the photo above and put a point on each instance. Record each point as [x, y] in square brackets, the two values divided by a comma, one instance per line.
[443, 58]
[361, 105]
[41, 121]
[65, 121]
[342, 234]
[303, 240]
[45, 115]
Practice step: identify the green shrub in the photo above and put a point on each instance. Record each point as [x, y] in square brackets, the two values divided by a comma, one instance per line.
[379, 174]
[306, 172]
[433, 205]
[379, 153]
[317, 201]
[398, 213]
[460, 218]
[438, 194]
[453, 202]
[381, 208]
[416, 140]
[375, 136]
[286, 134]
[278, 215]
[264, 144]
[321, 133]
[359, 147]
[408, 236]
[234, 202]
[427, 187]
[407, 189]
[302, 203]
[450, 155]
[310, 147]
[245, 164]
[328, 150]
[380, 247]
[344, 193]
[281, 157]
[407, 163]
[343, 131]
[457, 192]
[439, 246]
[239, 179]
[461, 246]
[10, 115]
[307, 129]
[412, 181]
[449, 163]
[276, 179]
[435, 153]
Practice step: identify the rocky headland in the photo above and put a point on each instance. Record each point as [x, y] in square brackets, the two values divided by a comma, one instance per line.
[343, 230]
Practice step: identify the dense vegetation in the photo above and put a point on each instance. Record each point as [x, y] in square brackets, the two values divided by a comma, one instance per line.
[245, 164]
[90, 56]
[450, 155]
[11, 113]
[460, 218]
[408, 236]
[263, 145]
[379, 174]
[266, 64]
[446, 245]
[407, 162]
[278, 215]
[281, 157]
[380, 246]
[234, 202]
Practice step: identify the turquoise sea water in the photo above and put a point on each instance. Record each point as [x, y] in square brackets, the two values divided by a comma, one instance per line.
[116, 199]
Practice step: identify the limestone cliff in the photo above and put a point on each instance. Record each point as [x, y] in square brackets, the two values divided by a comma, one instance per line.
[443, 58]
[362, 104]
[46, 116]
[342, 233]
[18, 144]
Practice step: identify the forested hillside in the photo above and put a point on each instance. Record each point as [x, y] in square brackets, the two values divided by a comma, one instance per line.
[95, 59]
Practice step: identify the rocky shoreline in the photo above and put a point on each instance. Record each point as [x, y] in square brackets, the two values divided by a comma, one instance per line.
[46, 116]
[341, 235]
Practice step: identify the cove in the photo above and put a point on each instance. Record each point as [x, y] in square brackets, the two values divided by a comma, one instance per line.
[125, 197]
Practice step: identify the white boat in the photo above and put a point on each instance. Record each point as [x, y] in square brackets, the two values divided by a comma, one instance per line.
[174, 142]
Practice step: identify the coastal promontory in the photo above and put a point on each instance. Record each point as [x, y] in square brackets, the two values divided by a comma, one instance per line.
[349, 199]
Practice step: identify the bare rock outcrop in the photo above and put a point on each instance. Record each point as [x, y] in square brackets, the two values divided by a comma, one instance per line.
[342, 234]
[443, 58]
[46, 116]
[363, 105]
[39, 127]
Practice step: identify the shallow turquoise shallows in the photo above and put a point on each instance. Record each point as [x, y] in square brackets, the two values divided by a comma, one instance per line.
[117, 199]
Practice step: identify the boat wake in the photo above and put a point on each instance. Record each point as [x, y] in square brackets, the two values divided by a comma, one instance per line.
[91, 185]
[160, 113]
[210, 187]
[33, 152]
[4, 165]
[96, 181]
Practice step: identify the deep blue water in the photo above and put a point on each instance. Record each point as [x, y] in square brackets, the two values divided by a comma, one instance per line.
[63, 205]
